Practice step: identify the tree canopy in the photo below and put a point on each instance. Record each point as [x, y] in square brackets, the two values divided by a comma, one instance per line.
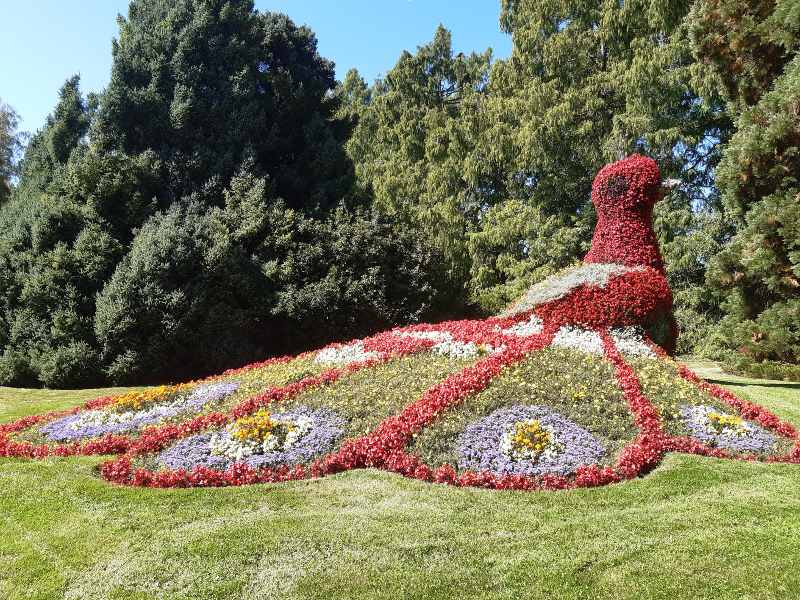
[207, 85]
[753, 50]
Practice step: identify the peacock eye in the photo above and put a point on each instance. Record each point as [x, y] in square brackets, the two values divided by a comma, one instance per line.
[617, 186]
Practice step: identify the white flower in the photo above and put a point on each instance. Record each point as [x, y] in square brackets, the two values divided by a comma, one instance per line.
[344, 355]
[533, 326]
[434, 336]
[455, 349]
[630, 340]
[98, 418]
[302, 425]
[578, 338]
[271, 443]
[507, 445]
[225, 444]
[700, 414]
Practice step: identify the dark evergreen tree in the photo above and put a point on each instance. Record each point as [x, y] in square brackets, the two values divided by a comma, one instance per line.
[209, 84]
[202, 290]
[50, 148]
[753, 49]
[62, 234]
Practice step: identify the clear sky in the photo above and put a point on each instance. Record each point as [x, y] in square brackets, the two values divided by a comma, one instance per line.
[43, 42]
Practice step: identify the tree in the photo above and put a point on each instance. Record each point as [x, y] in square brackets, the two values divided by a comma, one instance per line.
[10, 145]
[753, 50]
[208, 85]
[61, 235]
[183, 301]
[204, 289]
[353, 274]
[413, 146]
[50, 148]
[201, 214]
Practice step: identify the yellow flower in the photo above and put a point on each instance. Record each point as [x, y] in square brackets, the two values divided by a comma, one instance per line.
[257, 427]
[138, 400]
[721, 422]
[530, 436]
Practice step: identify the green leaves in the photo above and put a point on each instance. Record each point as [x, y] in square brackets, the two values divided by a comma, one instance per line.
[208, 86]
[753, 50]
[414, 144]
[10, 145]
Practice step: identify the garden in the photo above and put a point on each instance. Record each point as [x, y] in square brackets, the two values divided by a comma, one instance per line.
[516, 327]
[695, 526]
[564, 392]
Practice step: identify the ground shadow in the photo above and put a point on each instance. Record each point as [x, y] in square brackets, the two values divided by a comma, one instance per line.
[769, 384]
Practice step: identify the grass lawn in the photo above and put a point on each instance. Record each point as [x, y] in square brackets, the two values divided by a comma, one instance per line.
[694, 528]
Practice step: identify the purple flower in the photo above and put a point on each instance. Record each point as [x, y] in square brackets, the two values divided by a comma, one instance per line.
[481, 445]
[326, 429]
[96, 423]
[747, 437]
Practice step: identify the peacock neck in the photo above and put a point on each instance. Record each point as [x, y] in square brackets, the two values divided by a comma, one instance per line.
[626, 239]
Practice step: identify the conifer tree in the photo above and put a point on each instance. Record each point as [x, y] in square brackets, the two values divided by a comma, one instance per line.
[587, 83]
[753, 50]
[208, 85]
[49, 149]
[413, 147]
[62, 234]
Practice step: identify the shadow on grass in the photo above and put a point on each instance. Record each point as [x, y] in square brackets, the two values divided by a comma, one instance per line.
[754, 382]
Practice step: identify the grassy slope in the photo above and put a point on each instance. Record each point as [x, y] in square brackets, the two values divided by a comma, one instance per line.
[695, 527]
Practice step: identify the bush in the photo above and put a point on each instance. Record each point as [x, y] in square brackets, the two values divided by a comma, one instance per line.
[738, 364]
[69, 365]
[204, 289]
[180, 303]
[353, 274]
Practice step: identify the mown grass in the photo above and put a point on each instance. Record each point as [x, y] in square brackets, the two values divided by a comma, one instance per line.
[694, 528]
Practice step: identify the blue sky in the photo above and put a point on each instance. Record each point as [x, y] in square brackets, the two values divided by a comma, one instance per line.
[42, 42]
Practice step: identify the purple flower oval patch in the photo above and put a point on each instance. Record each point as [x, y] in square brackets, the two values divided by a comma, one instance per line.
[484, 444]
[96, 423]
[723, 430]
[325, 429]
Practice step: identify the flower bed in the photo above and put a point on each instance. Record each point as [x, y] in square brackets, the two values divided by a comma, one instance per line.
[723, 430]
[570, 383]
[520, 416]
[353, 407]
[527, 440]
[562, 391]
[110, 425]
[292, 437]
[158, 415]
[683, 406]
[96, 423]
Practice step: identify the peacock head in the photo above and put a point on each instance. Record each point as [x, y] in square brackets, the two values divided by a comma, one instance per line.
[632, 184]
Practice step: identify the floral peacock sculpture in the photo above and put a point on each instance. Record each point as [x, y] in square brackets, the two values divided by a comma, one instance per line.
[572, 386]
[621, 281]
